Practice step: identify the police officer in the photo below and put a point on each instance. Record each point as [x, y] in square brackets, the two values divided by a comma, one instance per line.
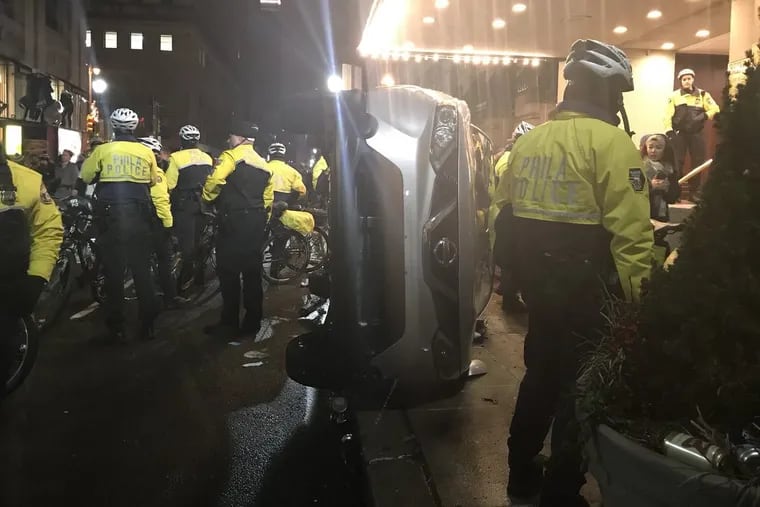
[30, 239]
[687, 110]
[188, 169]
[520, 130]
[125, 171]
[241, 187]
[162, 228]
[320, 180]
[511, 302]
[580, 215]
[287, 181]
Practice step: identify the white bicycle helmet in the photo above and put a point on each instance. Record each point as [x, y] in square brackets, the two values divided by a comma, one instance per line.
[522, 128]
[277, 149]
[686, 72]
[190, 133]
[599, 59]
[124, 119]
[151, 142]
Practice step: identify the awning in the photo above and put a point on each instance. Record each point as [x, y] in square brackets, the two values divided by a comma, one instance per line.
[535, 28]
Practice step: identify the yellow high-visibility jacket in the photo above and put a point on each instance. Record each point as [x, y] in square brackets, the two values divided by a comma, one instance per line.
[43, 217]
[121, 161]
[285, 178]
[577, 169]
[258, 177]
[159, 194]
[189, 168]
[319, 167]
[687, 111]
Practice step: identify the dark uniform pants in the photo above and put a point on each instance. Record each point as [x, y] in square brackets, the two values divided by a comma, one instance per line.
[694, 145]
[238, 252]
[564, 303]
[188, 226]
[122, 232]
[501, 254]
[163, 250]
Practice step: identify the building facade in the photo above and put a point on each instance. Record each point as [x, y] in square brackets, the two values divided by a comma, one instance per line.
[157, 60]
[43, 78]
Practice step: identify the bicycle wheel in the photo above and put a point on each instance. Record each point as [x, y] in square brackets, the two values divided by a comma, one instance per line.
[25, 346]
[285, 257]
[319, 249]
[207, 247]
[56, 294]
[98, 282]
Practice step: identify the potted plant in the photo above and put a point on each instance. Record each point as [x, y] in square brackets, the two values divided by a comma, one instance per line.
[687, 358]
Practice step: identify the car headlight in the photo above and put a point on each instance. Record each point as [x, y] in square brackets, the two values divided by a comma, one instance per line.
[444, 139]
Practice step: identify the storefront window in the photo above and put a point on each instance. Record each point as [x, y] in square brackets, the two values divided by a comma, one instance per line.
[20, 89]
[4, 95]
[13, 139]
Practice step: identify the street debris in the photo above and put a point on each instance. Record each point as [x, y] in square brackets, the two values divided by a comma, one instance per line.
[84, 313]
[255, 354]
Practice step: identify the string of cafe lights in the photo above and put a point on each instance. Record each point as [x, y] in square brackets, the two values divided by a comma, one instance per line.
[485, 59]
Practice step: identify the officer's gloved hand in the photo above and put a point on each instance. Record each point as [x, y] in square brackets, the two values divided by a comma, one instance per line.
[278, 208]
[29, 292]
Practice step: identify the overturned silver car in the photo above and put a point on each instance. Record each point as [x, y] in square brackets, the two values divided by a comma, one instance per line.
[410, 270]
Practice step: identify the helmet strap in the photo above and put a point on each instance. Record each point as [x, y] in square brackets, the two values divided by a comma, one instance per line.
[624, 115]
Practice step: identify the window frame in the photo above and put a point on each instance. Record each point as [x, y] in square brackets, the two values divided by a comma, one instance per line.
[162, 42]
[106, 35]
[134, 36]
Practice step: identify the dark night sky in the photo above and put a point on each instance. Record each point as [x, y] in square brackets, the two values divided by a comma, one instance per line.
[285, 53]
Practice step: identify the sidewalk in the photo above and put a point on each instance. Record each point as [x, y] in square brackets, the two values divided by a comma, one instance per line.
[456, 447]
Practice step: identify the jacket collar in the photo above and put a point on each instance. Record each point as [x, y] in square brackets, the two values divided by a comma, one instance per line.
[586, 109]
[125, 137]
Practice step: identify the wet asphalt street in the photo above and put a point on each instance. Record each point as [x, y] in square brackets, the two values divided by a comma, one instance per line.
[179, 421]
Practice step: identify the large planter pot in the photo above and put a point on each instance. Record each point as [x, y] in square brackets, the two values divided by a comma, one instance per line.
[630, 475]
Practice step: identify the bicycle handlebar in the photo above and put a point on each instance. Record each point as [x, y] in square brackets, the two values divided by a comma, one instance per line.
[663, 229]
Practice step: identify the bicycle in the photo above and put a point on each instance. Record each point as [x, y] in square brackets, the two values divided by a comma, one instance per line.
[207, 246]
[662, 249]
[285, 255]
[207, 256]
[319, 246]
[77, 248]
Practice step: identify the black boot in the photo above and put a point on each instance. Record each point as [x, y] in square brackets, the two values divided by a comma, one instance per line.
[525, 483]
